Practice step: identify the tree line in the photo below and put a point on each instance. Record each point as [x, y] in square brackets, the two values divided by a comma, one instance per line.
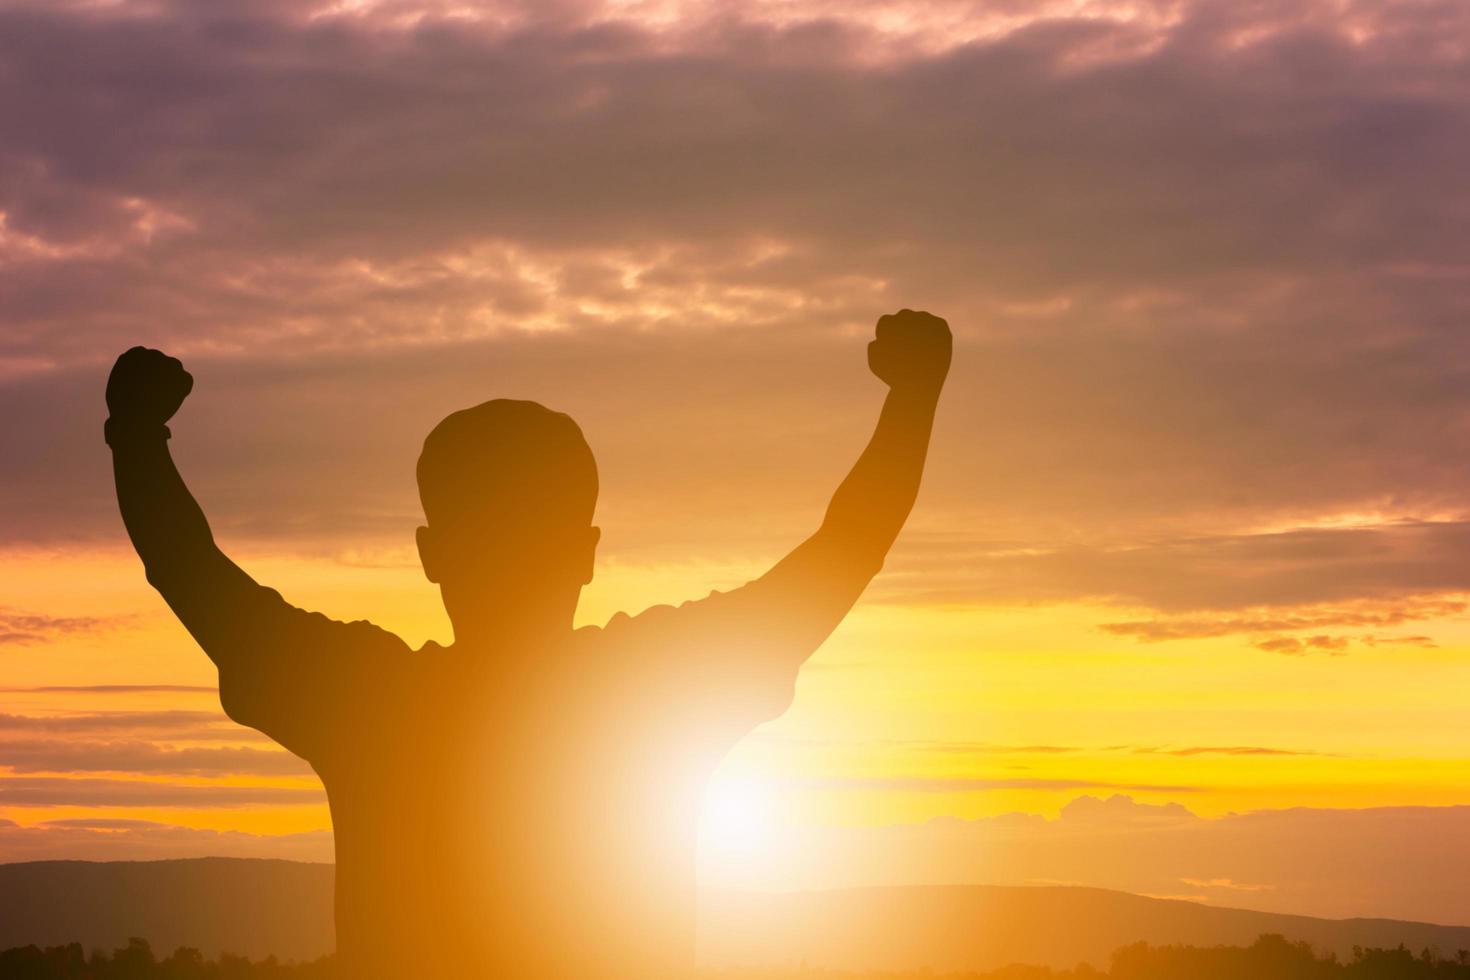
[1270, 957]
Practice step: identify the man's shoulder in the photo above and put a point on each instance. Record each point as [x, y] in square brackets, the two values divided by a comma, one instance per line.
[657, 614]
[659, 627]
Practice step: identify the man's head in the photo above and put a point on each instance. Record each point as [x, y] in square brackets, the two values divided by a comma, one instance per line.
[508, 489]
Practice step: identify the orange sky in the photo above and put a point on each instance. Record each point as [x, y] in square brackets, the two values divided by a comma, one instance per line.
[1194, 531]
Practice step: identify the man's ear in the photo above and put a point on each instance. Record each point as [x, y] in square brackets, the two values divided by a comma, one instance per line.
[427, 556]
[594, 535]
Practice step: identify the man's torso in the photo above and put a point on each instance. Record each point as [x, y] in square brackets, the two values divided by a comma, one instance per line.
[535, 824]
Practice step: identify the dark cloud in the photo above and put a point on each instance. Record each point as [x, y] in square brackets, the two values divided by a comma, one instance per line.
[1414, 561]
[313, 146]
[1205, 265]
[32, 791]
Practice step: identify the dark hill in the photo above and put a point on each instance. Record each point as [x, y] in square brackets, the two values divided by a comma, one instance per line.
[234, 905]
[981, 927]
[257, 908]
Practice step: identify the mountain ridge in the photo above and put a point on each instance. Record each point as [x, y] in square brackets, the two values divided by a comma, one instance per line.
[259, 907]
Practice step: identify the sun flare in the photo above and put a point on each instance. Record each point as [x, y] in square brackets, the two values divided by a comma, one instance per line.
[737, 815]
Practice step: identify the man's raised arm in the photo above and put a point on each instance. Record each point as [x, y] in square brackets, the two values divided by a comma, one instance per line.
[282, 670]
[911, 355]
[817, 583]
[747, 644]
[203, 587]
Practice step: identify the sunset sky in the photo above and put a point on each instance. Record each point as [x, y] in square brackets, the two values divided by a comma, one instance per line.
[1184, 607]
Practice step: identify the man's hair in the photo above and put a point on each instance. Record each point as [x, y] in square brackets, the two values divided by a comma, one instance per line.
[507, 460]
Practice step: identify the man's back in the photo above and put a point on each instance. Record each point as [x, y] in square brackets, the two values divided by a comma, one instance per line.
[529, 814]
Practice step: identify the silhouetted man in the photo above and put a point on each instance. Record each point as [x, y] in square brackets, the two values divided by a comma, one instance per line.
[524, 802]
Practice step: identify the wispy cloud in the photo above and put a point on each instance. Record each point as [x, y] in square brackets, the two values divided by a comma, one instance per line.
[1226, 884]
[112, 839]
[176, 725]
[1221, 750]
[113, 689]
[50, 791]
[1283, 620]
[70, 755]
[974, 784]
[981, 748]
[27, 627]
[1333, 645]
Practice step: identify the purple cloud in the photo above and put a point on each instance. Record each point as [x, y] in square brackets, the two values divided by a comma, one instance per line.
[1203, 260]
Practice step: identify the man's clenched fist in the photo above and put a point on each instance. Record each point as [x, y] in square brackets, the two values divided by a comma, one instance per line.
[146, 388]
[912, 351]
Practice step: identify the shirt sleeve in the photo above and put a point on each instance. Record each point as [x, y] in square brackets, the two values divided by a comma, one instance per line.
[728, 661]
[296, 675]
